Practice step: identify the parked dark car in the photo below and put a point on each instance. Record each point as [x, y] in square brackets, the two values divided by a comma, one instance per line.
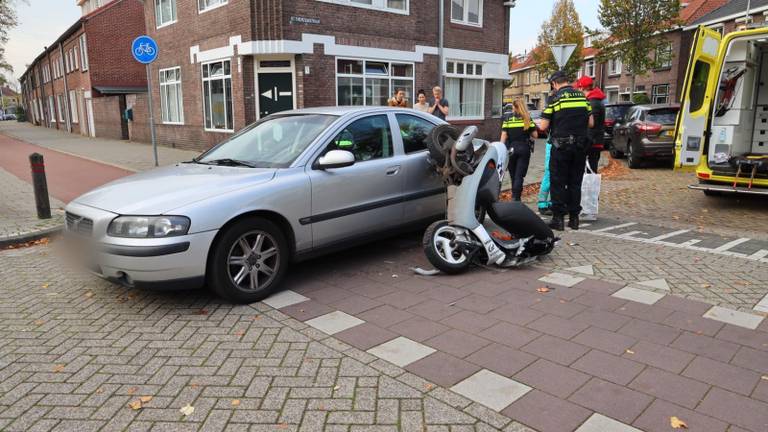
[646, 132]
[614, 113]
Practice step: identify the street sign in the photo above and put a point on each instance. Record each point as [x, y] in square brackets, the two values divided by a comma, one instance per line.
[144, 49]
[562, 53]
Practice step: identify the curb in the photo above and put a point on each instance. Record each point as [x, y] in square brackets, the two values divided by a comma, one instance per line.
[31, 236]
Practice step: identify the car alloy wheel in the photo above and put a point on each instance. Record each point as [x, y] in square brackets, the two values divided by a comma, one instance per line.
[253, 261]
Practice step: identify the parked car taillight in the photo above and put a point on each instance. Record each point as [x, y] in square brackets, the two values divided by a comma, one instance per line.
[610, 122]
[649, 127]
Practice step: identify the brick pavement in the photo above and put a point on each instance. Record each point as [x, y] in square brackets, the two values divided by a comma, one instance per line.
[75, 350]
[18, 214]
[125, 154]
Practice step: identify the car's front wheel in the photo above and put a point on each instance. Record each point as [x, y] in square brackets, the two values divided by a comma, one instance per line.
[248, 261]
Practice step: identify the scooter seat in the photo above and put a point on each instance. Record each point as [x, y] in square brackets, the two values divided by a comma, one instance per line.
[519, 220]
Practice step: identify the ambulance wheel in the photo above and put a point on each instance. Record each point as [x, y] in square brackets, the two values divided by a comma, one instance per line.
[442, 250]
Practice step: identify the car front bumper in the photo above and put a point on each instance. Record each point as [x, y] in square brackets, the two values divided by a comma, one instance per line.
[161, 263]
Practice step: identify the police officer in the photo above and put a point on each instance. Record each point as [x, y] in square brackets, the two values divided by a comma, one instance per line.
[569, 116]
[516, 133]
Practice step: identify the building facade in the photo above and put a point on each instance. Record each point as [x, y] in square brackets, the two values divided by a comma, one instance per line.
[223, 64]
[81, 82]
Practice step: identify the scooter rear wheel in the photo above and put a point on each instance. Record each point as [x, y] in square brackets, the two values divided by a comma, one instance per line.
[442, 250]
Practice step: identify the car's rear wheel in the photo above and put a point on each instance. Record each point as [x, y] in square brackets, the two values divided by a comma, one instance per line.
[615, 153]
[632, 160]
[249, 260]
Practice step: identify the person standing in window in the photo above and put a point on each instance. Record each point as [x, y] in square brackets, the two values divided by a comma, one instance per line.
[421, 102]
[441, 106]
[398, 100]
[516, 133]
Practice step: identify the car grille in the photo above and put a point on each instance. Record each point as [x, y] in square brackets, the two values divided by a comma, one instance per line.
[79, 225]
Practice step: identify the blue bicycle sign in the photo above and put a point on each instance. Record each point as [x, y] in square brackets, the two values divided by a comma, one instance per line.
[144, 49]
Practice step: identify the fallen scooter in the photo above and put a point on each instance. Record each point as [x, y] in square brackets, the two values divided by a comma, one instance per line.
[473, 174]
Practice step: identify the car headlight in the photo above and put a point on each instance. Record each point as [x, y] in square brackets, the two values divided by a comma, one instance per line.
[148, 226]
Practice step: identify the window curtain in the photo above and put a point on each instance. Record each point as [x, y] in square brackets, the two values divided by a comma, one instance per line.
[472, 105]
[453, 94]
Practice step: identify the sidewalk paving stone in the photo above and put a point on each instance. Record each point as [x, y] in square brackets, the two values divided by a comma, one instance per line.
[612, 400]
[491, 389]
[706, 346]
[334, 322]
[657, 419]
[638, 295]
[561, 279]
[723, 375]
[737, 318]
[401, 351]
[671, 387]
[418, 328]
[660, 356]
[547, 413]
[556, 349]
[457, 343]
[442, 369]
[605, 340]
[552, 378]
[601, 423]
[735, 409]
[608, 367]
[501, 359]
[284, 298]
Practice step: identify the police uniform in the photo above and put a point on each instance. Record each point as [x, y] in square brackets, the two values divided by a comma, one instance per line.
[518, 140]
[568, 113]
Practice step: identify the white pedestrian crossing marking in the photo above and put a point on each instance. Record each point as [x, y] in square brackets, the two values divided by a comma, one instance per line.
[668, 235]
[615, 227]
[731, 244]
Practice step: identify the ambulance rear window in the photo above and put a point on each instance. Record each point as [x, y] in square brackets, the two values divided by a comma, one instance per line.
[698, 85]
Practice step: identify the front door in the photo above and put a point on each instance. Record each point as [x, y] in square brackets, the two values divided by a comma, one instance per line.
[275, 93]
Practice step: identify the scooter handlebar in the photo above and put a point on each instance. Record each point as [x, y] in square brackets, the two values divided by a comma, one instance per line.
[465, 139]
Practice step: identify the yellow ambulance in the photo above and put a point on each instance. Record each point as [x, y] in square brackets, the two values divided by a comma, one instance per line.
[722, 127]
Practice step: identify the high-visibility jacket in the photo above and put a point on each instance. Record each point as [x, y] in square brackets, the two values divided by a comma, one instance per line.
[568, 112]
[514, 126]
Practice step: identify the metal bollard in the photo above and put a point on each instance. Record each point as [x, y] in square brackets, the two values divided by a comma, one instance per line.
[40, 185]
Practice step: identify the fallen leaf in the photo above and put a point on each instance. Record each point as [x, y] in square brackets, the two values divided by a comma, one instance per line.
[676, 423]
[46, 285]
[99, 390]
[58, 368]
[629, 351]
[89, 294]
[764, 377]
[187, 410]
[239, 333]
[145, 399]
[429, 386]
[706, 286]
[202, 312]
[235, 402]
[256, 317]
[132, 390]
[39, 322]
[282, 426]
[336, 387]
[194, 386]
[562, 301]
[135, 405]
[543, 289]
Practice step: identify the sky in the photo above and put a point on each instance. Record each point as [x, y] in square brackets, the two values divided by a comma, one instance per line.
[42, 21]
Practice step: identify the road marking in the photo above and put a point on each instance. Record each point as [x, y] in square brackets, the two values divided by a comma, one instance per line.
[762, 253]
[762, 306]
[668, 235]
[686, 244]
[611, 228]
[630, 234]
[731, 244]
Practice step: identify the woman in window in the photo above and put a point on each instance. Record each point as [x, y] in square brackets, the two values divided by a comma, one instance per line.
[516, 132]
[421, 102]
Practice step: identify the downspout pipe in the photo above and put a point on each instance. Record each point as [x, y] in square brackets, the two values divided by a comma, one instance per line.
[44, 99]
[68, 117]
[440, 42]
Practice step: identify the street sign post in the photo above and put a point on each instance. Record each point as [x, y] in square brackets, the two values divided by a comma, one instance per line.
[144, 50]
[562, 53]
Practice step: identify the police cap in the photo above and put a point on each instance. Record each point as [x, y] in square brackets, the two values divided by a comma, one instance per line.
[557, 76]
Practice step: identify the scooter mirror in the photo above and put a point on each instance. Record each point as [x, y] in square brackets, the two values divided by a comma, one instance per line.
[466, 137]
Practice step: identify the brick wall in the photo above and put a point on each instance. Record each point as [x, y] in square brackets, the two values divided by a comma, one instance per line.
[110, 33]
[106, 116]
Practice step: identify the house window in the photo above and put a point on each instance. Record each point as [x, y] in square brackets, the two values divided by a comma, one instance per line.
[84, 52]
[664, 56]
[371, 82]
[73, 106]
[464, 89]
[217, 96]
[77, 60]
[613, 95]
[171, 102]
[614, 66]
[660, 94]
[589, 68]
[165, 12]
[51, 109]
[718, 29]
[399, 6]
[469, 12]
[204, 5]
[60, 105]
[497, 98]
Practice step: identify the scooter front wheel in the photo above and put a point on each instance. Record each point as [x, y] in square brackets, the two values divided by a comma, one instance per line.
[441, 245]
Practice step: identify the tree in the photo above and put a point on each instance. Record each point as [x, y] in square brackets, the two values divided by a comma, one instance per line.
[563, 27]
[8, 20]
[635, 30]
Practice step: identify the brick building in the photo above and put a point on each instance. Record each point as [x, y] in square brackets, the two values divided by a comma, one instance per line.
[223, 64]
[526, 82]
[81, 82]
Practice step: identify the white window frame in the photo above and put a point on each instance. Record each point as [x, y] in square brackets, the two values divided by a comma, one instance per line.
[500, 95]
[467, 76]
[77, 60]
[159, 23]
[207, 8]
[180, 96]
[617, 67]
[590, 64]
[720, 28]
[378, 5]
[671, 54]
[52, 108]
[365, 76]
[73, 106]
[210, 105]
[59, 103]
[84, 52]
[465, 19]
[654, 93]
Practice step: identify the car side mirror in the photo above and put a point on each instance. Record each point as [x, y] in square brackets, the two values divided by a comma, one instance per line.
[335, 159]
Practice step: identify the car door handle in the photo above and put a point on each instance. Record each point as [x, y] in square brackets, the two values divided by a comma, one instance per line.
[392, 171]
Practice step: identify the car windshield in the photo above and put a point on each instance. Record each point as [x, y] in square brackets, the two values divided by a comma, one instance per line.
[271, 143]
[617, 111]
[662, 116]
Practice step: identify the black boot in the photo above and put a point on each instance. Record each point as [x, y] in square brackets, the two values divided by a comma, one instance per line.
[545, 211]
[557, 223]
[573, 221]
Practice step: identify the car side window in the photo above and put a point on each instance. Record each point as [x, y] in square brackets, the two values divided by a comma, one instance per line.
[414, 131]
[367, 138]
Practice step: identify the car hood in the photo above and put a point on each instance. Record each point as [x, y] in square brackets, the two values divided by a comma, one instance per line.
[164, 189]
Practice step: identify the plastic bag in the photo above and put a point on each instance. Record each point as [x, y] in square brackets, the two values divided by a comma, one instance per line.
[590, 194]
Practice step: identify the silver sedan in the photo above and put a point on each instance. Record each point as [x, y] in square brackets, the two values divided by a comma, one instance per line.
[291, 186]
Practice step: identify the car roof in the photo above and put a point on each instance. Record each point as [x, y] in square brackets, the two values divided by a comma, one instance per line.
[621, 104]
[344, 110]
[656, 106]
